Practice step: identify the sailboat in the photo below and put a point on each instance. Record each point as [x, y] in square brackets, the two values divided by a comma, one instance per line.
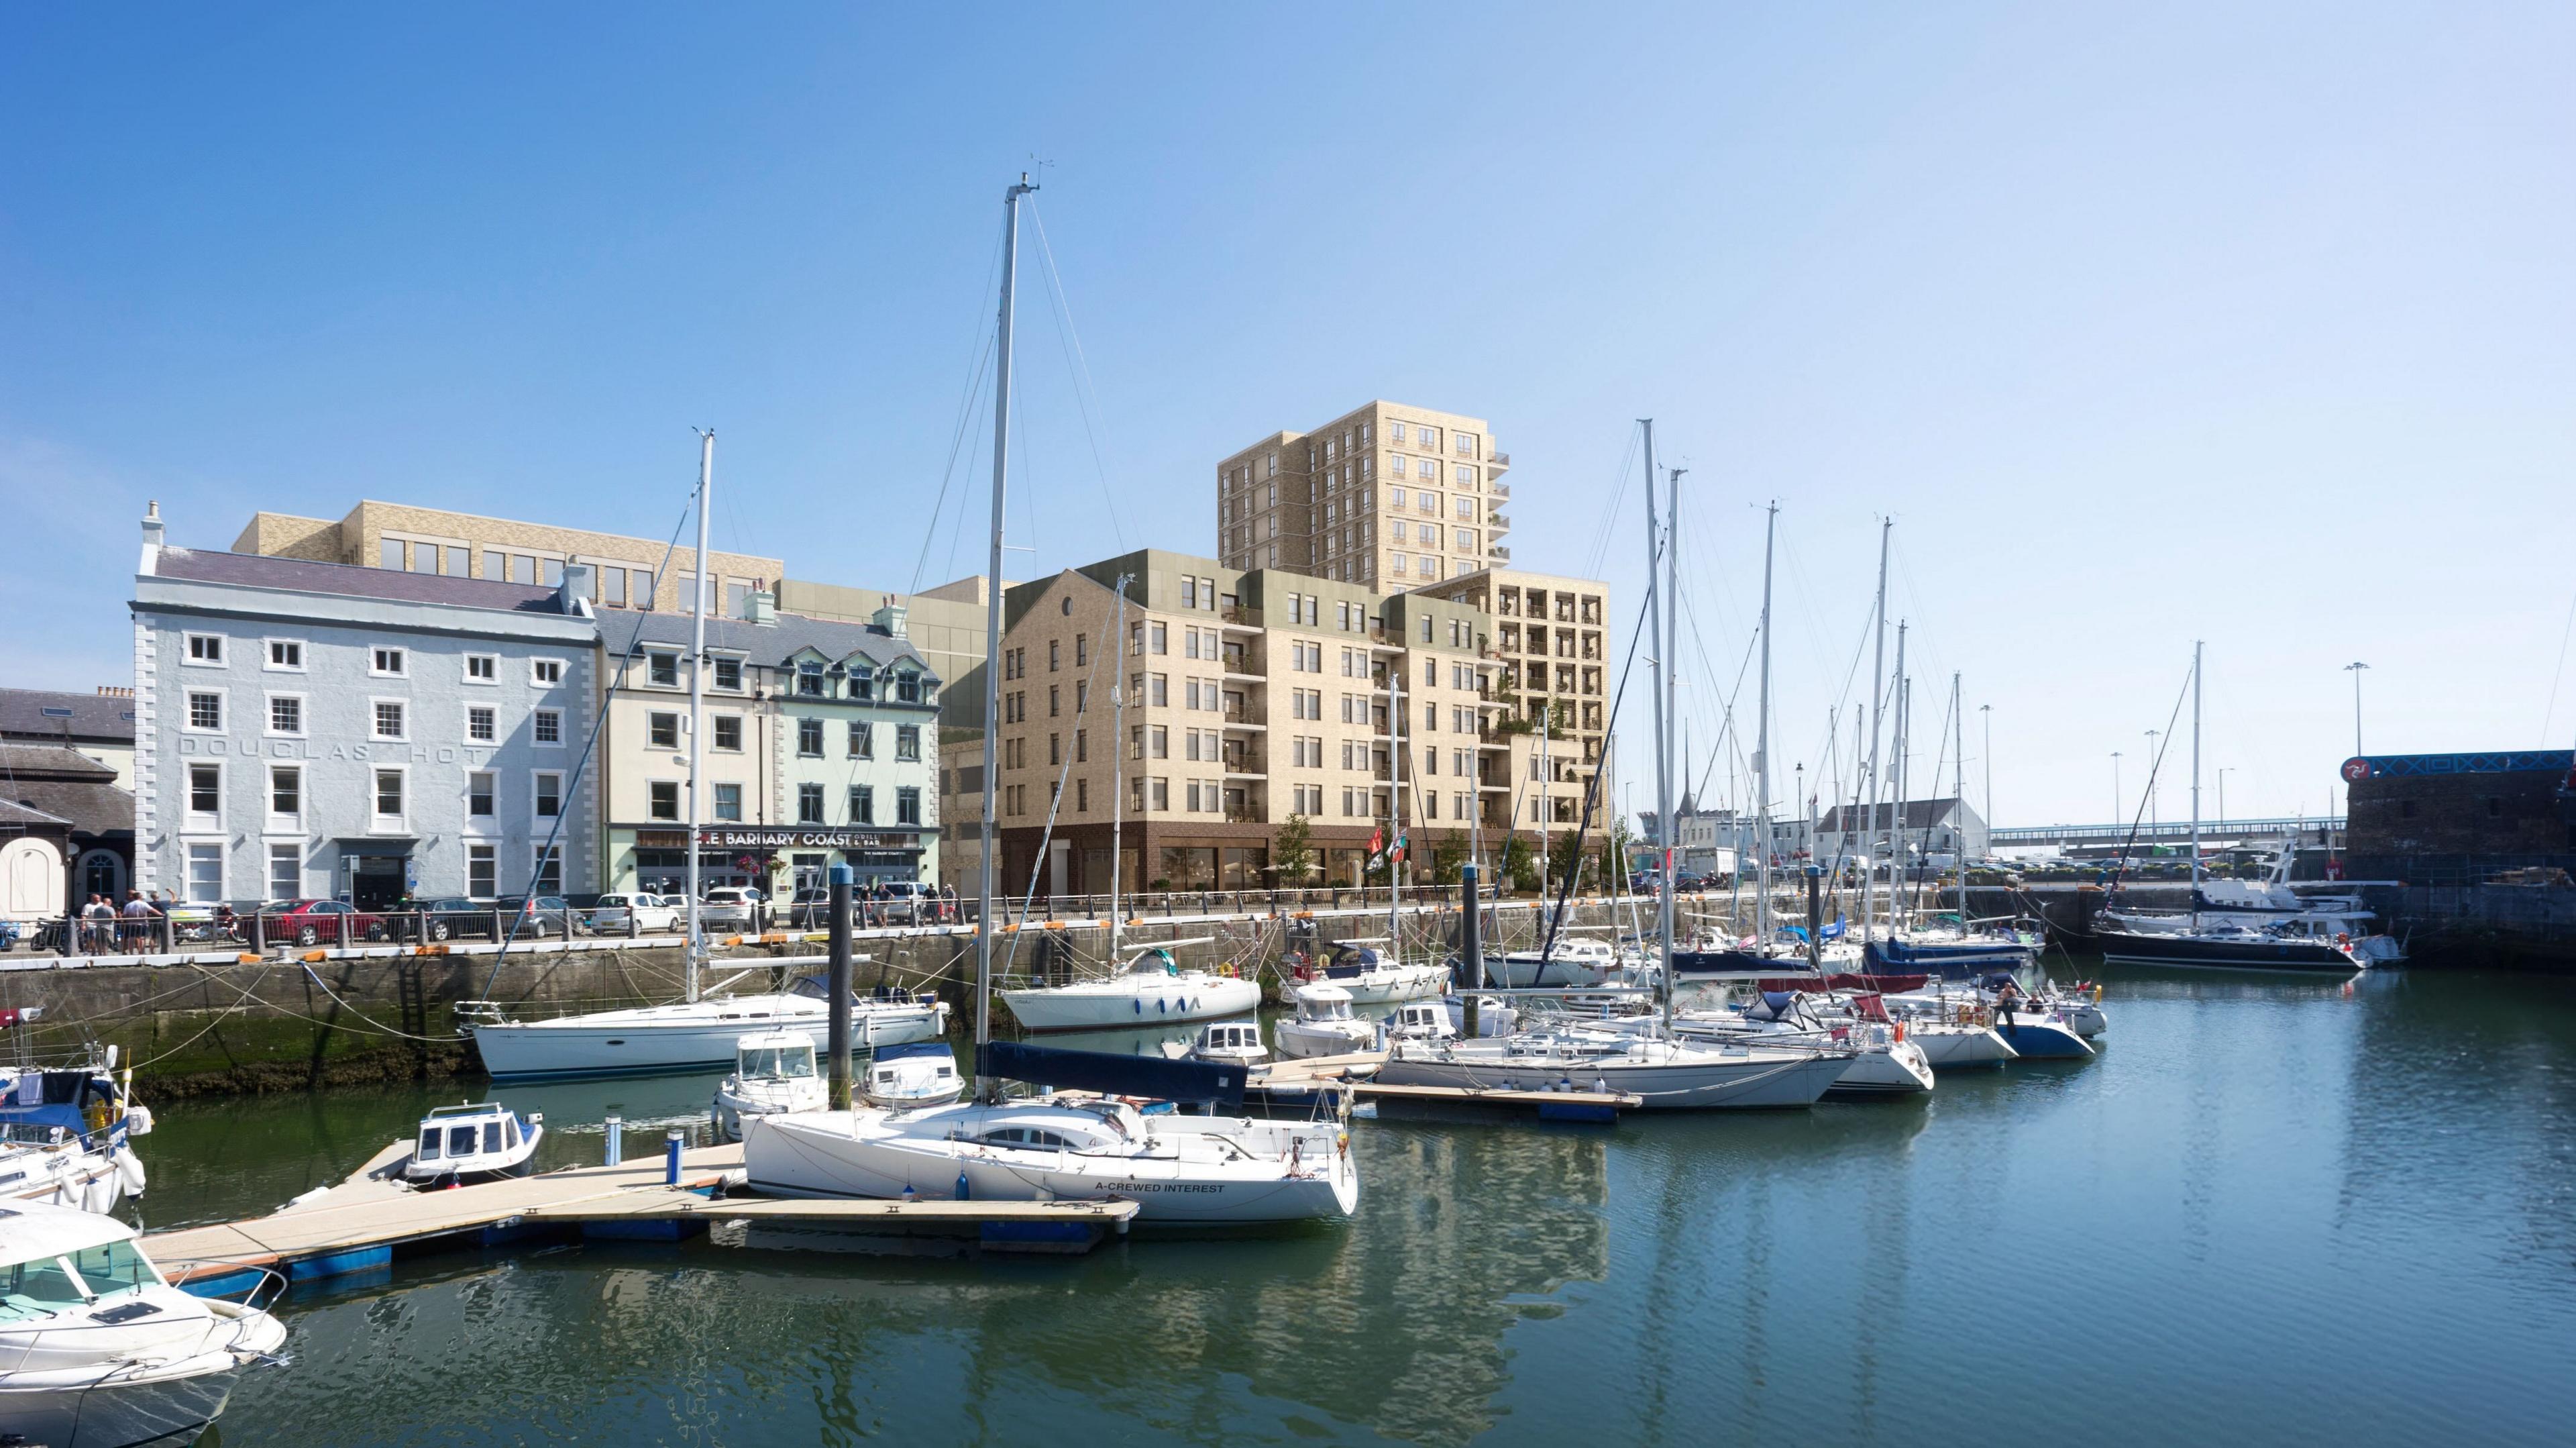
[1179, 1169]
[698, 1032]
[1652, 1062]
[2208, 945]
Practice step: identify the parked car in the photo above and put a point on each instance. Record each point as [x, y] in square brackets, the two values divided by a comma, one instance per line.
[727, 906]
[320, 922]
[540, 916]
[811, 909]
[644, 912]
[455, 916]
[906, 900]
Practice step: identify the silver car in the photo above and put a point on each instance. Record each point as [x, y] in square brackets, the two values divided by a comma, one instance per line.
[648, 914]
[726, 907]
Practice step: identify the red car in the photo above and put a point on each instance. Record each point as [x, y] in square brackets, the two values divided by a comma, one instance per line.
[318, 922]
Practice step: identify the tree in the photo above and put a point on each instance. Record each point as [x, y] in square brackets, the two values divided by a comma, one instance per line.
[1292, 851]
[1448, 855]
[1518, 864]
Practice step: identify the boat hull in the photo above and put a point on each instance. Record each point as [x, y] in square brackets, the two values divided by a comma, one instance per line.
[2139, 947]
[1300, 1039]
[1956, 1048]
[639, 1045]
[1526, 971]
[2040, 1039]
[1762, 1082]
[122, 1415]
[1154, 1000]
[1897, 1071]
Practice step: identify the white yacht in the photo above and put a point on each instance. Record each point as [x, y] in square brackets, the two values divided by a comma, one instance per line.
[463, 1146]
[1178, 1169]
[1665, 1073]
[1885, 1063]
[1229, 1043]
[773, 1071]
[100, 1351]
[1372, 977]
[1324, 1024]
[66, 1137]
[918, 1073]
[686, 1035]
[1575, 960]
[1428, 1021]
[1152, 988]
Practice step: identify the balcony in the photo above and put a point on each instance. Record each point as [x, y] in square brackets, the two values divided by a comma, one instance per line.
[1498, 522]
[1499, 460]
[1500, 489]
[1238, 619]
[1499, 553]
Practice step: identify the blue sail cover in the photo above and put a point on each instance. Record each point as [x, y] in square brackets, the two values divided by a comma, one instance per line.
[39, 1099]
[1148, 1076]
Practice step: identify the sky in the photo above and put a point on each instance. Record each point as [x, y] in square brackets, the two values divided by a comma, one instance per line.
[2248, 324]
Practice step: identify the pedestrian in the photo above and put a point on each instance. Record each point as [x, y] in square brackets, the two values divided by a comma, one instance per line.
[99, 926]
[138, 916]
[2006, 997]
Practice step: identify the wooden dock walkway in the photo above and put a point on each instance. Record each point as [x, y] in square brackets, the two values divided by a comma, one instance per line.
[360, 1224]
[1294, 1081]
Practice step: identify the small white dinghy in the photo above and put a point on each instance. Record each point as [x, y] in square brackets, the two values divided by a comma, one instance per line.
[917, 1073]
[461, 1146]
[1324, 1024]
[101, 1351]
[773, 1071]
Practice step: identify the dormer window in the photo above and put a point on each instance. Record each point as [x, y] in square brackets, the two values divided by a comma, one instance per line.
[809, 679]
[907, 687]
[863, 681]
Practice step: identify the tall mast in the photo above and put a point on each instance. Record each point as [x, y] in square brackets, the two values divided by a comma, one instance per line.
[993, 623]
[1117, 644]
[1959, 786]
[2195, 784]
[698, 696]
[1658, 552]
[1896, 807]
[1877, 697]
[1762, 747]
[1395, 810]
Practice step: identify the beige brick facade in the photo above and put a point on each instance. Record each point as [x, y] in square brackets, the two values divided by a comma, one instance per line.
[1390, 497]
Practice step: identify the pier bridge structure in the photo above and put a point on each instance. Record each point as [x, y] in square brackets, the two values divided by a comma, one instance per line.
[2214, 835]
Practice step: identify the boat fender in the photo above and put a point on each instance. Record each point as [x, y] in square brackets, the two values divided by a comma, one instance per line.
[129, 1169]
[1900, 1033]
[101, 1193]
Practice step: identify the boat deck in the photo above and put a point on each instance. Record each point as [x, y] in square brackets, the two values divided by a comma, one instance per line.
[1295, 1081]
[360, 1224]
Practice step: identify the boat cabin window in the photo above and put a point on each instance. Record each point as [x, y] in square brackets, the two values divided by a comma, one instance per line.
[776, 1061]
[429, 1144]
[510, 1131]
[35, 1289]
[112, 1267]
[492, 1136]
[460, 1141]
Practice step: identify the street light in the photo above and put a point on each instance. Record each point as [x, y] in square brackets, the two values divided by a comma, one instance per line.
[2354, 668]
[2115, 788]
[2222, 799]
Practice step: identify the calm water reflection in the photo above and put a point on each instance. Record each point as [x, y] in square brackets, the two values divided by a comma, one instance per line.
[2270, 1212]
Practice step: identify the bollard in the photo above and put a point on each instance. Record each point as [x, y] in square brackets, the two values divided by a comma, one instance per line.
[671, 1157]
[616, 1141]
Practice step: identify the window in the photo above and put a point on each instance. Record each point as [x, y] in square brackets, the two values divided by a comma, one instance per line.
[205, 711]
[1426, 468]
[389, 554]
[549, 793]
[389, 794]
[482, 872]
[809, 738]
[1081, 796]
[1463, 476]
[286, 654]
[547, 724]
[205, 873]
[809, 679]
[549, 871]
[205, 789]
[863, 682]
[612, 587]
[863, 739]
[1055, 700]
[663, 798]
[285, 872]
[729, 803]
[907, 806]
[286, 714]
[908, 689]
[809, 804]
[206, 650]
[478, 795]
[729, 733]
[1162, 741]
[663, 669]
[386, 663]
[482, 669]
[481, 725]
[1081, 649]
[863, 805]
[495, 564]
[545, 673]
[728, 675]
[1162, 793]
[285, 790]
[662, 731]
[387, 719]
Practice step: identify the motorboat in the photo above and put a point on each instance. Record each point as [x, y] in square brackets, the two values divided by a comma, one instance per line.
[1233, 1043]
[66, 1136]
[1371, 976]
[101, 1351]
[917, 1073]
[1573, 961]
[1064, 1147]
[1663, 1072]
[1324, 1024]
[773, 1071]
[463, 1146]
[1152, 988]
[1427, 1021]
[695, 1035]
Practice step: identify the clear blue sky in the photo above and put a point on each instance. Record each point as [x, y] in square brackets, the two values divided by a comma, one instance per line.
[2252, 323]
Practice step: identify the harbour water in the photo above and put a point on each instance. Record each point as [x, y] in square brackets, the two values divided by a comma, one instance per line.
[2270, 1212]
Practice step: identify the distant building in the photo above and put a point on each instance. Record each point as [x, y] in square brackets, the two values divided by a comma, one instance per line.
[1388, 496]
[2496, 804]
[318, 729]
[61, 809]
[1930, 827]
[99, 725]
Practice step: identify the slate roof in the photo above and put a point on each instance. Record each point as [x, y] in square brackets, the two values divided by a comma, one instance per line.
[91, 716]
[769, 644]
[65, 786]
[13, 813]
[301, 575]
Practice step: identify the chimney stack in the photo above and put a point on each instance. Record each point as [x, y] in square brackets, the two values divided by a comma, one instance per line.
[152, 530]
[889, 619]
[573, 594]
[760, 606]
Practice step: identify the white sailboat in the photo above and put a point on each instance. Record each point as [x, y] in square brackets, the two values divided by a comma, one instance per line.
[1178, 1169]
[1151, 988]
[66, 1136]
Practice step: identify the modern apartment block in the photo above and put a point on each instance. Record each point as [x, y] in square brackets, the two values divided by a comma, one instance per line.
[625, 572]
[1219, 702]
[1389, 497]
[1551, 646]
[317, 729]
[820, 749]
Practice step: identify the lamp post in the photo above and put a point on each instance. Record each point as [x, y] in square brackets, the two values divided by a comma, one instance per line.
[2222, 800]
[2115, 789]
[2354, 668]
